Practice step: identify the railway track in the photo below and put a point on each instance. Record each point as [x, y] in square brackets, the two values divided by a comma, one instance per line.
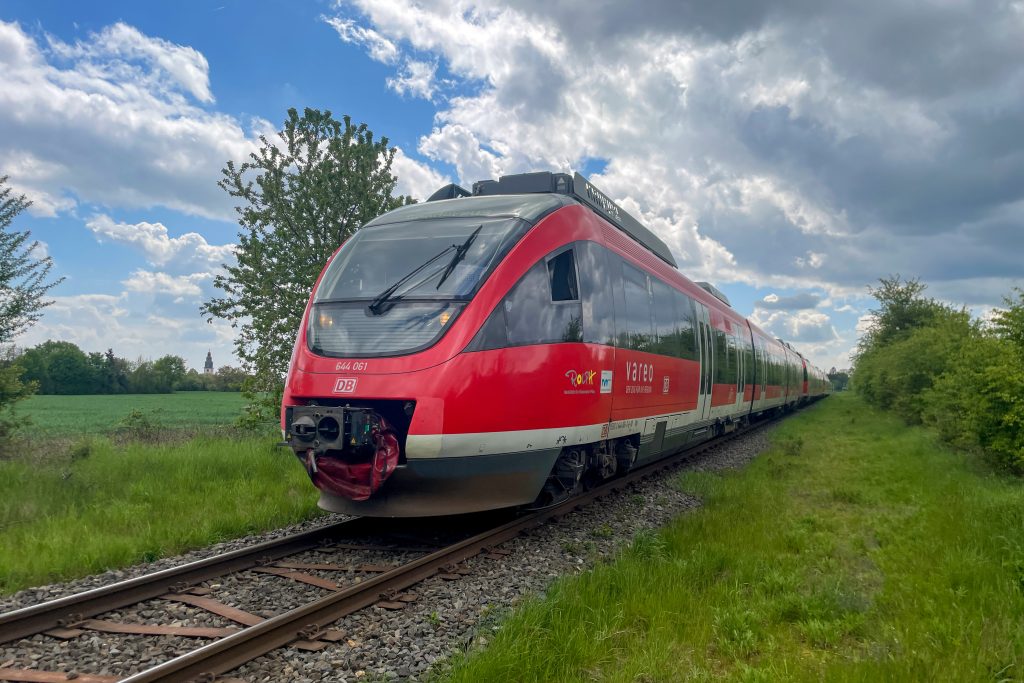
[305, 627]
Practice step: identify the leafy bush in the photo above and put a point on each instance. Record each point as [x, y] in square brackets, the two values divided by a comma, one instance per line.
[931, 363]
[897, 375]
[979, 401]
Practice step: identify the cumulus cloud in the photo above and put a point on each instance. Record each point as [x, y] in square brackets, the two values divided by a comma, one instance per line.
[171, 67]
[807, 146]
[416, 179]
[116, 118]
[187, 251]
[178, 286]
[416, 78]
[764, 140]
[798, 326]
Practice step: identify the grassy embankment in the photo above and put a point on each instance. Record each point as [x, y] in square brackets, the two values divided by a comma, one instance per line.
[97, 505]
[857, 549]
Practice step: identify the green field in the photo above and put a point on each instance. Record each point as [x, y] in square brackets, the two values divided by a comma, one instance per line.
[107, 506]
[107, 492]
[70, 416]
[857, 549]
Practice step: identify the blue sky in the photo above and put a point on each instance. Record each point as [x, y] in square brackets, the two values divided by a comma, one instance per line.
[790, 154]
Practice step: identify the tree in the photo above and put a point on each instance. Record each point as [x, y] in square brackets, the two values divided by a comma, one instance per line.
[23, 289]
[902, 308]
[60, 367]
[228, 379]
[23, 275]
[300, 196]
[839, 379]
[171, 370]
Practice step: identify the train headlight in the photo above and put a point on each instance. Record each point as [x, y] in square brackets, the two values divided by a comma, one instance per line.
[325, 320]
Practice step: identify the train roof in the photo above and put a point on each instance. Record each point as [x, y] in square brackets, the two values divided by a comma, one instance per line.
[529, 207]
[525, 187]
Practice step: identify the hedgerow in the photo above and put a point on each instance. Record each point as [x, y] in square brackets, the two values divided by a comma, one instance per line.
[931, 363]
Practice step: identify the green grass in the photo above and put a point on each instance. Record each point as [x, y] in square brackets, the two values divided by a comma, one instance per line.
[70, 416]
[857, 549]
[67, 516]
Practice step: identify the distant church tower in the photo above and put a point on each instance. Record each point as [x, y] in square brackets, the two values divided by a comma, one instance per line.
[208, 366]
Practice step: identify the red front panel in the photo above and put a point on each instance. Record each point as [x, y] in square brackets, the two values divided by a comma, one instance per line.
[527, 387]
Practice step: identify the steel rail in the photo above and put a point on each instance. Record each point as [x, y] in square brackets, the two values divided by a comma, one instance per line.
[304, 622]
[39, 618]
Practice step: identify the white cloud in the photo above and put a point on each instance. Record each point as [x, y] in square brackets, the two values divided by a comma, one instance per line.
[181, 287]
[416, 179]
[775, 147]
[457, 145]
[115, 118]
[803, 325]
[416, 78]
[377, 46]
[187, 251]
[181, 66]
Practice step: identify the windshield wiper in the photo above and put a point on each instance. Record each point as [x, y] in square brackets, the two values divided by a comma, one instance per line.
[378, 302]
[460, 253]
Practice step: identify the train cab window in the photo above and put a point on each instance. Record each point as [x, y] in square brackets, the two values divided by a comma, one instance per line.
[562, 274]
[533, 312]
[533, 317]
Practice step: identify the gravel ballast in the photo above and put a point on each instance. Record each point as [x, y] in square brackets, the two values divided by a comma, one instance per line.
[378, 644]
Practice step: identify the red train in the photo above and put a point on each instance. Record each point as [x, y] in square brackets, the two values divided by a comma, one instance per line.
[506, 347]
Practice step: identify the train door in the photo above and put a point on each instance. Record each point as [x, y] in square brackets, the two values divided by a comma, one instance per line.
[706, 360]
[741, 368]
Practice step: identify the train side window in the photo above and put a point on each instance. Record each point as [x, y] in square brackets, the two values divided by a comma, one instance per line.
[599, 272]
[562, 276]
[635, 330]
[666, 339]
[734, 359]
[685, 326]
[722, 361]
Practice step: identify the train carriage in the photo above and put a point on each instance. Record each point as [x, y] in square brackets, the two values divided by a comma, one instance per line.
[505, 348]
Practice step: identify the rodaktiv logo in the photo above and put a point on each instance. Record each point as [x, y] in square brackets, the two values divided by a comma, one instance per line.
[579, 379]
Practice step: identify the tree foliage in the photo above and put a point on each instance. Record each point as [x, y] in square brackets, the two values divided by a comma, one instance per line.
[60, 367]
[23, 275]
[902, 309]
[24, 283]
[299, 197]
[932, 363]
[839, 379]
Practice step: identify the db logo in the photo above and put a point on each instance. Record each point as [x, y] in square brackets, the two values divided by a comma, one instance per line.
[345, 385]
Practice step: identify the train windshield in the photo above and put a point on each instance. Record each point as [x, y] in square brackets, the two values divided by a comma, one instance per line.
[395, 288]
